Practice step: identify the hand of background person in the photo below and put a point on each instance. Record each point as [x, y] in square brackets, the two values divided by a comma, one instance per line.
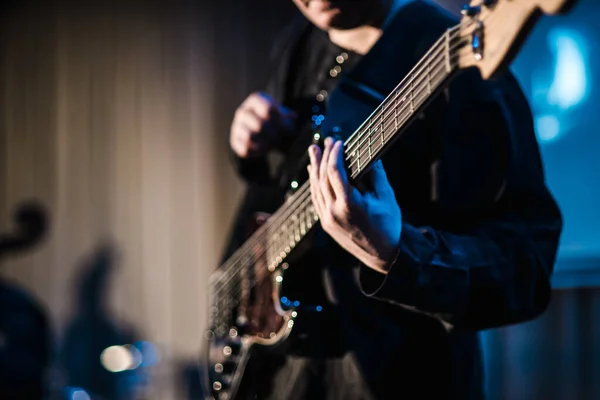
[259, 125]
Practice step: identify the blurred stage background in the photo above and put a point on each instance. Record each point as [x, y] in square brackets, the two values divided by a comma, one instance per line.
[115, 115]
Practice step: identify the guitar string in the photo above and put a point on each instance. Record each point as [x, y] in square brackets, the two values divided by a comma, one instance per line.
[415, 71]
[307, 199]
[219, 276]
[403, 85]
[430, 86]
[378, 110]
[232, 298]
[305, 195]
[488, 26]
[302, 197]
[229, 295]
[436, 73]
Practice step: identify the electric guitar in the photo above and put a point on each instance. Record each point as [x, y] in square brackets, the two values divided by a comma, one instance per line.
[246, 311]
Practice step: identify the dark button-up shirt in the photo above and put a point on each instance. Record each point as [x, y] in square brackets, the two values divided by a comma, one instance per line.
[480, 232]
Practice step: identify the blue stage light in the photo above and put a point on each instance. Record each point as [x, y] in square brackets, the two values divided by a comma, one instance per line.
[569, 86]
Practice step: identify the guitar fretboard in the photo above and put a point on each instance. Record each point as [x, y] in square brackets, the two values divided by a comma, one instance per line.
[276, 239]
[367, 143]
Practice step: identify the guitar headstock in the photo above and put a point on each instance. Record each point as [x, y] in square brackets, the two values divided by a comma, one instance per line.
[493, 30]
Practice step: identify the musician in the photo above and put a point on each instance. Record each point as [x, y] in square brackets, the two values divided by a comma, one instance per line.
[452, 233]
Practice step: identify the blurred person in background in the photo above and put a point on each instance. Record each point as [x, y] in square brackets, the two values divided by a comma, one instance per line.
[26, 337]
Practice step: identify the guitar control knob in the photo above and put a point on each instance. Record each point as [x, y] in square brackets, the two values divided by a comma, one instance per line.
[221, 385]
[225, 367]
[232, 349]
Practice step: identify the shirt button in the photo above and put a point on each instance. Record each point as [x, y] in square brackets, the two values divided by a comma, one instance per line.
[341, 58]
[321, 95]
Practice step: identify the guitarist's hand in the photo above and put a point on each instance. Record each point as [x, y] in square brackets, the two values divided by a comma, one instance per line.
[259, 125]
[368, 225]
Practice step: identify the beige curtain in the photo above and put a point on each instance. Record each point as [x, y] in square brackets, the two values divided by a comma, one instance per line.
[116, 118]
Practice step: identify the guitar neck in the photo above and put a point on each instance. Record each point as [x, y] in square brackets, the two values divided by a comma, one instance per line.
[275, 240]
[386, 124]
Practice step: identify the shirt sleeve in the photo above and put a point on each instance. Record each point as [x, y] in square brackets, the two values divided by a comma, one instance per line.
[493, 276]
[487, 259]
[252, 170]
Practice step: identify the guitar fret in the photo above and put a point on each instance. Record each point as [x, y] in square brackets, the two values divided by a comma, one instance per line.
[447, 50]
[303, 223]
[269, 253]
[382, 131]
[282, 244]
[290, 228]
[412, 94]
[429, 77]
[395, 114]
[295, 228]
[369, 146]
[287, 228]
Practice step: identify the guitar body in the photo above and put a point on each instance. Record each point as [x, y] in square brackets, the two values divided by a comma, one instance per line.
[247, 312]
[257, 323]
[262, 321]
